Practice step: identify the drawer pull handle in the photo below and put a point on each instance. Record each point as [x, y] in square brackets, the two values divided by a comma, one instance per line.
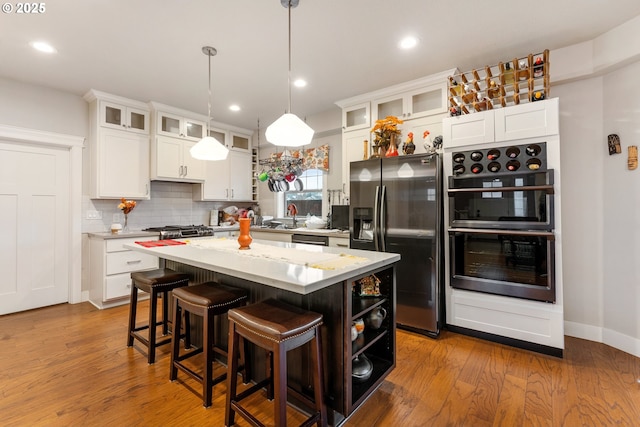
[342, 245]
[135, 261]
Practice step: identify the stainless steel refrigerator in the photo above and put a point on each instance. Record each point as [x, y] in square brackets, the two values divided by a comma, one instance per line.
[396, 206]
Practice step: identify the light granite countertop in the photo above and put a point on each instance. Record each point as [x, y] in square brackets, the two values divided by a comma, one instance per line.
[293, 267]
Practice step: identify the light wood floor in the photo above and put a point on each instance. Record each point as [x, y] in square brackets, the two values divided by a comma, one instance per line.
[68, 365]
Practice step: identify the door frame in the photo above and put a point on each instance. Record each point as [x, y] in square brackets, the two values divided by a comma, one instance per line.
[74, 144]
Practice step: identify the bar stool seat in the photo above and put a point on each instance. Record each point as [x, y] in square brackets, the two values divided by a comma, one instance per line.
[156, 283]
[207, 300]
[276, 327]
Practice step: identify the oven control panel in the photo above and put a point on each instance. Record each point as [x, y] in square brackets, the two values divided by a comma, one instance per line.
[511, 158]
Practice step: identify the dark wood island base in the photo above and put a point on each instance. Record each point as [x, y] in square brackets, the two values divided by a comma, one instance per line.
[340, 307]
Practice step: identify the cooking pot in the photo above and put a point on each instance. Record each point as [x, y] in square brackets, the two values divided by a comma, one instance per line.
[361, 368]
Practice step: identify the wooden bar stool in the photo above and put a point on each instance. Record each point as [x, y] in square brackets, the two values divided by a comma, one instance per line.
[278, 328]
[207, 300]
[154, 282]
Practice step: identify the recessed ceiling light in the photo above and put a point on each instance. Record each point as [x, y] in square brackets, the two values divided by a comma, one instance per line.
[408, 42]
[234, 107]
[300, 83]
[43, 47]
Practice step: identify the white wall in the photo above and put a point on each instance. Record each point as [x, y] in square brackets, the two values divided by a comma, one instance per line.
[582, 151]
[601, 197]
[42, 108]
[621, 200]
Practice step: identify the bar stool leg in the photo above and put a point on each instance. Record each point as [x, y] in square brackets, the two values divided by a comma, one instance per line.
[280, 385]
[318, 378]
[165, 310]
[207, 380]
[153, 312]
[175, 339]
[232, 350]
[133, 305]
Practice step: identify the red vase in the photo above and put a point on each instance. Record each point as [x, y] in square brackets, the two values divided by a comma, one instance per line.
[392, 151]
[244, 239]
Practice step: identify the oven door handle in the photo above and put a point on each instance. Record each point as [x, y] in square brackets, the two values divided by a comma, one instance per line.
[549, 235]
[546, 188]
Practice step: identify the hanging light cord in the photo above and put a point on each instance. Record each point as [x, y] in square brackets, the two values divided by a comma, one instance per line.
[289, 75]
[209, 102]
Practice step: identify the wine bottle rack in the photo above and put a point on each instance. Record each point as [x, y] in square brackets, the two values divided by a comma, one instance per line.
[517, 81]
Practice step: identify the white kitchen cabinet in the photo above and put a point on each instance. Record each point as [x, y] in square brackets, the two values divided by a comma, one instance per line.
[271, 235]
[420, 103]
[239, 142]
[356, 117]
[228, 179]
[352, 151]
[415, 103]
[171, 160]
[174, 132]
[176, 126]
[431, 123]
[124, 117]
[529, 120]
[339, 242]
[469, 129]
[118, 147]
[111, 265]
[535, 119]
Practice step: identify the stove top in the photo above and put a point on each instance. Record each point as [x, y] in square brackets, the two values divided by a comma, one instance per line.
[181, 231]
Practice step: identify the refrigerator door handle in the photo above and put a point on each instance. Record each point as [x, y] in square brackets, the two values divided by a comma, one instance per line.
[383, 219]
[376, 205]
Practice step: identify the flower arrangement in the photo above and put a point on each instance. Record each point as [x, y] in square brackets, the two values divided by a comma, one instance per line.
[126, 205]
[383, 130]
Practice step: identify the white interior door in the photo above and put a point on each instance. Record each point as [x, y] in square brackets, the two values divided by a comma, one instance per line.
[34, 209]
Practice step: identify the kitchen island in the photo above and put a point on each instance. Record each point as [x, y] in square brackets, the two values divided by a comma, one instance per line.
[333, 281]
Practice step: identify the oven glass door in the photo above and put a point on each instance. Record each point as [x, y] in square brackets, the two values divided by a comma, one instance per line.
[504, 262]
[510, 201]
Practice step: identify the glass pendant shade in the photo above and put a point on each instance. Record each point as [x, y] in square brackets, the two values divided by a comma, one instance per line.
[289, 131]
[209, 148]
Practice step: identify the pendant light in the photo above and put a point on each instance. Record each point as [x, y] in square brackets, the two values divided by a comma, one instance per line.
[209, 148]
[289, 130]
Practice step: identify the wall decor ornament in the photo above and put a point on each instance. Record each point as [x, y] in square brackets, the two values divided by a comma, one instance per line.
[613, 142]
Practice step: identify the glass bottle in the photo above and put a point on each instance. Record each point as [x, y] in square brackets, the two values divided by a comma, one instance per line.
[507, 74]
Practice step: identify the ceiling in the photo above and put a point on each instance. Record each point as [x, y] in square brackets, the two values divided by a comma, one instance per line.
[150, 50]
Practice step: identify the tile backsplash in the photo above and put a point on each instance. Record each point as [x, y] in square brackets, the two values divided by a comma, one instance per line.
[171, 203]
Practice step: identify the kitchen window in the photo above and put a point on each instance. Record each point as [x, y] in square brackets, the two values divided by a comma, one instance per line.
[309, 200]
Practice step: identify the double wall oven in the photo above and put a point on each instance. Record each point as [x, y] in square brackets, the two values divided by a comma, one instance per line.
[503, 211]
[501, 221]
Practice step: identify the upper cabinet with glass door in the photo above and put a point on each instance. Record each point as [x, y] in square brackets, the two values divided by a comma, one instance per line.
[169, 124]
[234, 138]
[239, 142]
[118, 116]
[413, 104]
[356, 117]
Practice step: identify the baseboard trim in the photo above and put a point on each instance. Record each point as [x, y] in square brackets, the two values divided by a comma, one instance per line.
[538, 348]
